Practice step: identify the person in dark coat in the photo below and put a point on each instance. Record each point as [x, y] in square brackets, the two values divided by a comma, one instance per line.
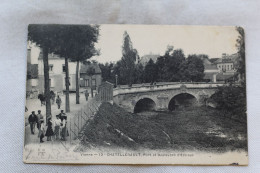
[62, 115]
[58, 101]
[41, 97]
[49, 131]
[86, 95]
[32, 121]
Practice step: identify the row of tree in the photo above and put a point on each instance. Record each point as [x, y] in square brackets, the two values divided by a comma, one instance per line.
[173, 66]
[72, 43]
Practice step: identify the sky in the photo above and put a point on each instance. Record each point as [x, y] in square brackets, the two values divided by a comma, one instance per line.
[154, 39]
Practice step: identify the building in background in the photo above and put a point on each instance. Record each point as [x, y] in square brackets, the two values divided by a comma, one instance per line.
[86, 81]
[57, 73]
[227, 66]
[31, 77]
[146, 58]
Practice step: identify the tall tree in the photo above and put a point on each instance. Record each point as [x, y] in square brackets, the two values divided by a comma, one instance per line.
[241, 53]
[150, 72]
[107, 72]
[74, 43]
[139, 73]
[176, 59]
[193, 69]
[128, 59]
[91, 73]
[45, 37]
[85, 40]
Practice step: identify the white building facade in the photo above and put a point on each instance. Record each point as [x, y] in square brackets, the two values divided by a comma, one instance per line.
[56, 74]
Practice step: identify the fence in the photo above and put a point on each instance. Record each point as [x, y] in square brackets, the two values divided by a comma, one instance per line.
[81, 117]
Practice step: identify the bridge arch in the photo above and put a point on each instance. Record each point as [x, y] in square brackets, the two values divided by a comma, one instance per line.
[182, 100]
[144, 104]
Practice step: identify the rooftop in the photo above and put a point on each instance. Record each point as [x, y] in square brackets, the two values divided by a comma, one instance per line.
[84, 67]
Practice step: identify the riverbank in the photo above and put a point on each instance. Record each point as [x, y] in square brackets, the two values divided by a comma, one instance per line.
[202, 129]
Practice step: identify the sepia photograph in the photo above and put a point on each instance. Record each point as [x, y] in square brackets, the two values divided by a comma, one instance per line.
[135, 94]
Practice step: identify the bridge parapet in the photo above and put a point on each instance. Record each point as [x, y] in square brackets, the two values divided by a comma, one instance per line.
[163, 86]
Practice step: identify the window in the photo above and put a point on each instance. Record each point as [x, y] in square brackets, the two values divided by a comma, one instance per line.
[50, 67]
[63, 68]
[51, 82]
[87, 83]
[93, 82]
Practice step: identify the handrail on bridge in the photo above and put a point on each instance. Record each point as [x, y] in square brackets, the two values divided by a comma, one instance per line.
[163, 86]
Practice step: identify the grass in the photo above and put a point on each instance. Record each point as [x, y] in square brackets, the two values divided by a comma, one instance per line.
[201, 128]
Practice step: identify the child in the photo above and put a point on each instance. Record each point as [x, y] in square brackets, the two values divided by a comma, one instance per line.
[49, 131]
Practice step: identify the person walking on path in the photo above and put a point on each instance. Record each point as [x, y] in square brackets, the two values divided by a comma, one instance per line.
[57, 124]
[41, 131]
[64, 129]
[86, 95]
[53, 95]
[62, 115]
[39, 118]
[49, 131]
[32, 121]
[58, 101]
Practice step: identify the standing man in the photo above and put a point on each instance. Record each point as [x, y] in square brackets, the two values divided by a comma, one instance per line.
[86, 95]
[58, 101]
[32, 121]
[39, 119]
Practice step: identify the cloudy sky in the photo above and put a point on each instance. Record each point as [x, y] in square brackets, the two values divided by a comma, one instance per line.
[210, 40]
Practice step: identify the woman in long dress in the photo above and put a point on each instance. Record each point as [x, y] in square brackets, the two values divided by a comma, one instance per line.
[41, 131]
[49, 131]
[64, 129]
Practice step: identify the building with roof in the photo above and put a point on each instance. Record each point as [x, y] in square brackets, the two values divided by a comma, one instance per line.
[56, 73]
[86, 81]
[31, 77]
[227, 64]
[210, 70]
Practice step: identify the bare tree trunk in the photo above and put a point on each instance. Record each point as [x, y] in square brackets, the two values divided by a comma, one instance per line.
[91, 89]
[46, 82]
[77, 83]
[67, 85]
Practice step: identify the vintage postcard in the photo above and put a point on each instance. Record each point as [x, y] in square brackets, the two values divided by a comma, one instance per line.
[136, 94]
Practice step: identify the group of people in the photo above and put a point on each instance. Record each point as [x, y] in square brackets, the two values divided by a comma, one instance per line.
[60, 126]
[42, 98]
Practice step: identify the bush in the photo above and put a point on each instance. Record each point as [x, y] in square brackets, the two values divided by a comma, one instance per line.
[232, 99]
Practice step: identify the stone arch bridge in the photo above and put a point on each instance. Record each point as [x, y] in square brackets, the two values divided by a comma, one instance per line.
[160, 96]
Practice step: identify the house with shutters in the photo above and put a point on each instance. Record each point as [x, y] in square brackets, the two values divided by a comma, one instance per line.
[56, 73]
[86, 81]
